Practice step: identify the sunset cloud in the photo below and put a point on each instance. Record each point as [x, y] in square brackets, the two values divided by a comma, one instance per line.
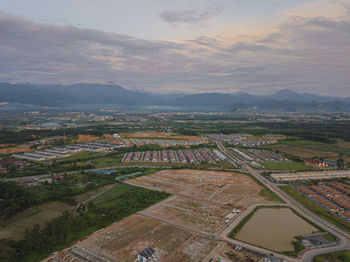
[302, 52]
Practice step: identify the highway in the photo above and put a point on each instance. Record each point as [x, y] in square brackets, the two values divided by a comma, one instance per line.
[308, 255]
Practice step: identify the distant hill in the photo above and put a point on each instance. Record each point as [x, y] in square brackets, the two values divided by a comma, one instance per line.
[98, 94]
[57, 95]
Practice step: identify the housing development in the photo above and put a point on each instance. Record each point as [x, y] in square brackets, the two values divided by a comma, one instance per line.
[175, 131]
[162, 194]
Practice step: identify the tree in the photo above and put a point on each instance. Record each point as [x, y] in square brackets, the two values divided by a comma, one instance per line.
[340, 163]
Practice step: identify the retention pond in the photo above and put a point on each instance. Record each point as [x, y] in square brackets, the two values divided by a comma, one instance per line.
[274, 229]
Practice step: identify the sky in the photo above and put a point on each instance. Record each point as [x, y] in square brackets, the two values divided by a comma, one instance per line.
[162, 46]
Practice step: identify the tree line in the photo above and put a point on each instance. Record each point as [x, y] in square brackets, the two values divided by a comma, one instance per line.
[62, 231]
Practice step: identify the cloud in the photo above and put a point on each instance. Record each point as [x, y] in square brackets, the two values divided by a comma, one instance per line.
[190, 16]
[303, 53]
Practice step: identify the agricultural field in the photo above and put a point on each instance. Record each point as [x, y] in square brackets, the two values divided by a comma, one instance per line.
[310, 149]
[37, 215]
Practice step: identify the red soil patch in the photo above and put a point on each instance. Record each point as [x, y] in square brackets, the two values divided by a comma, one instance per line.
[13, 150]
[87, 138]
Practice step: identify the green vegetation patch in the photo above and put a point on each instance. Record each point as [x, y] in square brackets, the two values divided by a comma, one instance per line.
[299, 166]
[111, 193]
[269, 195]
[67, 228]
[334, 257]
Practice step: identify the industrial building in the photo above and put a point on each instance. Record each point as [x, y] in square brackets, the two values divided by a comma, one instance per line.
[65, 151]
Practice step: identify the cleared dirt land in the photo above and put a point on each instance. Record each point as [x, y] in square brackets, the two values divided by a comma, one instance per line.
[86, 138]
[17, 149]
[178, 226]
[201, 199]
[38, 215]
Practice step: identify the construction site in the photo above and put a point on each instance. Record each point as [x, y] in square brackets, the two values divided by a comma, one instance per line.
[184, 227]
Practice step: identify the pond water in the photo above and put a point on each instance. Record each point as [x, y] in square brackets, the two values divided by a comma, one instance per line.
[274, 229]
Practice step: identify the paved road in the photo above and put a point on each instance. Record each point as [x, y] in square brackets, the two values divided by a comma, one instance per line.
[308, 255]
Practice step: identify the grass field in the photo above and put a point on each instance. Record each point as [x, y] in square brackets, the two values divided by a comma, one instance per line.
[318, 210]
[39, 215]
[307, 149]
[334, 257]
[87, 195]
[106, 161]
[82, 156]
[300, 166]
[310, 149]
[111, 193]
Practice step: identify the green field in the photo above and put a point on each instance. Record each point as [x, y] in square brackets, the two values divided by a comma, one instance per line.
[299, 166]
[121, 201]
[111, 193]
[342, 256]
[318, 210]
[106, 161]
[310, 149]
[37, 215]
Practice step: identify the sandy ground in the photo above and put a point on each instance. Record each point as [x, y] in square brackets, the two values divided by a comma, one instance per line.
[178, 227]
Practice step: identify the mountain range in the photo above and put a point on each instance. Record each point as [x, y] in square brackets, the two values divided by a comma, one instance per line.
[99, 94]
